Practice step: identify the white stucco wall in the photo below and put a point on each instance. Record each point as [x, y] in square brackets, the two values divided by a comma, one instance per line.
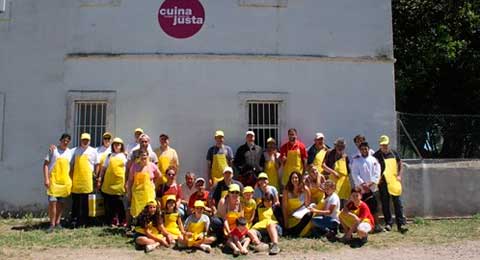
[197, 89]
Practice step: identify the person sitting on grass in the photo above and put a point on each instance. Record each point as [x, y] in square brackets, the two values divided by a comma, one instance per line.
[356, 217]
[196, 228]
[238, 240]
[325, 220]
[146, 233]
[249, 205]
[267, 223]
[172, 226]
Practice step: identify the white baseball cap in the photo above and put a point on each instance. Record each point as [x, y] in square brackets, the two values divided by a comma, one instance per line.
[319, 135]
[250, 133]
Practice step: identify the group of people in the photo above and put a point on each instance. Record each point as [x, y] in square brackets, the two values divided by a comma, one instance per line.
[248, 199]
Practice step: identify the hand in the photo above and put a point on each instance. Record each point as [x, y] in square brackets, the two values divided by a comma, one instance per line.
[336, 174]
[210, 183]
[52, 148]
[399, 178]
[188, 234]
[47, 184]
[99, 184]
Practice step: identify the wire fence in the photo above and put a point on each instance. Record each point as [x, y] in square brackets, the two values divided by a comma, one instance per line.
[438, 135]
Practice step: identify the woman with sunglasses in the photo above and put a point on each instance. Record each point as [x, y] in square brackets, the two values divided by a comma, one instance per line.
[140, 185]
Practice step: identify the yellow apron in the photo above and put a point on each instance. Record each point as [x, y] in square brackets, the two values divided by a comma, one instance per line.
[390, 173]
[248, 211]
[163, 164]
[82, 175]
[292, 205]
[231, 218]
[197, 230]
[317, 194]
[293, 163]
[219, 163]
[60, 182]
[153, 230]
[342, 182]
[265, 218]
[171, 224]
[143, 191]
[318, 161]
[348, 220]
[272, 173]
[114, 179]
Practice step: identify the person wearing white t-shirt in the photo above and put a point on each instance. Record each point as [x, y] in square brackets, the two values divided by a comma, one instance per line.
[366, 175]
[56, 172]
[105, 149]
[325, 220]
[136, 143]
[83, 168]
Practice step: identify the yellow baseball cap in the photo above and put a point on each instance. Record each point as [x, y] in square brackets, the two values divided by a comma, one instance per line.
[271, 140]
[247, 189]
[233, 187]
[263, 175]
[117, 140]
[219, 133]
[85, 136]
[384, 140]
[152, 202]
[107, 134]
[138, 130]
[199, 204]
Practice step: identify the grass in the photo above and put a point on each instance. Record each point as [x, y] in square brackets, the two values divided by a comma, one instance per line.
[30, 234]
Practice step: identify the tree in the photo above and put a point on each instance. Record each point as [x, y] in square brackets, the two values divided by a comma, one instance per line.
[437, 47]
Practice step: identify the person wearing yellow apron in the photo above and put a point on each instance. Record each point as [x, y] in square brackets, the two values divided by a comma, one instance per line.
[272, 163]
[196, 229]
[219, 156]
[390, 185]
[104, 150]
[295, 196]
[314, 182]
[325, 220]
[220, 190]
[167, 157]
[337, 167]
[111, 182]
[356, 217]
[262, 189]
[293, 155]
[83, 168]
[316, 153]
[249, 205]
[147, 234]
[140, 185]
[267, 222]
[172, 226]
[56, 170]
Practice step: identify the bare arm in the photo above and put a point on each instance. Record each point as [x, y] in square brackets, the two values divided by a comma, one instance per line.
[46, 174]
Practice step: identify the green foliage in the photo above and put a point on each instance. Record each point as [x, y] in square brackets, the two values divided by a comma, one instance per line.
[419, 221]
[437, 47]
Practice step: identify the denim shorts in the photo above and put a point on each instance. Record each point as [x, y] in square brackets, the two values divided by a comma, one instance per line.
[55, 199]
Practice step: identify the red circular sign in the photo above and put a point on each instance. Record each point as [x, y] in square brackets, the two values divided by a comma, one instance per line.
[181, 18]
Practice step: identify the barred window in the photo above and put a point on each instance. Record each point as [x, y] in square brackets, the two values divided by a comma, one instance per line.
[90, 112]
[263, 120]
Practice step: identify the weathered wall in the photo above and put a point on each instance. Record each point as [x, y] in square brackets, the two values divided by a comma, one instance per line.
[442, 188]
[197, 87]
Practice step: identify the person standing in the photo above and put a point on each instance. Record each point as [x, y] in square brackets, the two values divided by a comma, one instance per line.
[358, 139]
[56, 169]
[294, 156]
[272, 163]
[104, 150]
[167, 156]
[84, 167]
[219, 156]
[366, 175]
[143, 145]
[317, 152]
[390, 185]
[337, 165]
[248, 160]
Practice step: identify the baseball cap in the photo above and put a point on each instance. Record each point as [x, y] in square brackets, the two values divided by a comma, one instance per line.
[227, 169]
[247, 189]
[319, 135]
[271, 140]
[85, 136]
[107, 134]
[250, 133]
[219, 133]
[263, 175]
[199, 180]
[117, 140]
[384, 140]
[138, 130]
[199, 204]
[233, 187]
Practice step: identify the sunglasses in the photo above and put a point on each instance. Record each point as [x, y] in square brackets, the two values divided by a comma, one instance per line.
[235, 192]
[171, 174]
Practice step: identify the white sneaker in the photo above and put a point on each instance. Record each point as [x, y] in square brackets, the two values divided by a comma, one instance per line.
[151, 247]
[206, 248]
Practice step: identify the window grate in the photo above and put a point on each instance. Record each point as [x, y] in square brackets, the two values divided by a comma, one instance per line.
[90, 117]
[263, 120]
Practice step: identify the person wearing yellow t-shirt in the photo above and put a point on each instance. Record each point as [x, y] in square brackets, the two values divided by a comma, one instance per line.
[167, 156]
[56, 169]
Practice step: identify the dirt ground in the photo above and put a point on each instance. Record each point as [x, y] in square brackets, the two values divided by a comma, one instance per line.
[466, 250]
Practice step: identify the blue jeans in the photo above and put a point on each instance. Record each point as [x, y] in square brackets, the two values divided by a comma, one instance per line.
[323, 225]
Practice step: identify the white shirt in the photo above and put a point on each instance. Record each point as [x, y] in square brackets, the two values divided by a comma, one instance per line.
[333, 200]
[90, 152]
[366, 170]
[52, 157]
[186, 191]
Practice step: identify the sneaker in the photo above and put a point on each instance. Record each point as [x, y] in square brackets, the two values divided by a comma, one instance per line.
[236, 252]
[402, 229]
[50, 229]
[59, 227]
[262, 247]
[331, 236]
[378, 229]
[274, 249]
[388, 227]
[150, 248]
[206, 248]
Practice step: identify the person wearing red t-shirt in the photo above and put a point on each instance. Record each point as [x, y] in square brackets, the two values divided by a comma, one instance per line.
[200, 194]
[171, 188]
[356, 217]
[293, 155]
